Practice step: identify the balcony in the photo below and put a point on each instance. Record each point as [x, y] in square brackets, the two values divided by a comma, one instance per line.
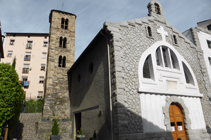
[25, 70]
[25, 84]
[27, 58]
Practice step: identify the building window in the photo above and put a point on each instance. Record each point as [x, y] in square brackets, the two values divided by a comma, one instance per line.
[166, 57]
[175, 39]
[157, 8]
[188, 76]
[64, 62]
[9, 54]
[25, 68]
[45, 44]
[209, 59]
[7, 63]
[40, 94]
[12, 42]
[149, 31]
[64, 42]
[60, 61]
[66, 23]
[44, 55]
[41, 79]
[60, 42]
[209, 44]
[148, 69]
[29, 45]
[209, 27]
[27, 56]
[62, 23]
[42, 67]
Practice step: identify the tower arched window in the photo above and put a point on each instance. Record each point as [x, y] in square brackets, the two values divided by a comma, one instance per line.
[62, 23]
[60, 61]
[60, 42]
[64, 61]
[66, 24]
[149, 31]
[64, 42]
[157, 8]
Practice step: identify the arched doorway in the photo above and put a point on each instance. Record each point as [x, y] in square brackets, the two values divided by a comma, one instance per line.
[177, 122]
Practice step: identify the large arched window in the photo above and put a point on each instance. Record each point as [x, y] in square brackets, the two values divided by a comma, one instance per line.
[64, 62]
[147, 68]
[164, 70]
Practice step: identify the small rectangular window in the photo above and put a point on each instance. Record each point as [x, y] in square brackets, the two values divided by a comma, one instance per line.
[7, 63]
[209, 44]
[29, 45]
[41, 79]
[25, 68]
[9, 54]
[40, 94]
[45, 44]
[44, 55]
[27, 56]
[209, 59]
[12, 42]
[42, 67]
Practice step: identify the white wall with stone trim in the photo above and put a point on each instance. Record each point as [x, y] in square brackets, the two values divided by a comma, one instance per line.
[153, 117]
[203, 37]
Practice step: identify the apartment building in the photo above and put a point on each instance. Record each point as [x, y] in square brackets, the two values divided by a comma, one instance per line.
[30, 51]
[201, 37]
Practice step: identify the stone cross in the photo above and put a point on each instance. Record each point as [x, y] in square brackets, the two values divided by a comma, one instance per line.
[163, 33]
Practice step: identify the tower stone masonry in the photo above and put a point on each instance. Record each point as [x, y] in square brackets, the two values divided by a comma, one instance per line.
[61, 56]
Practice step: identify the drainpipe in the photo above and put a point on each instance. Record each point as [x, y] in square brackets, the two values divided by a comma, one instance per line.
[109, 80]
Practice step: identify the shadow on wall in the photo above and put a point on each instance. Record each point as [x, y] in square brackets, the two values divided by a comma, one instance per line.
[17, 132]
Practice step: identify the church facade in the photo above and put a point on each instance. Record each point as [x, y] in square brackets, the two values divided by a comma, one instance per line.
[140, 79]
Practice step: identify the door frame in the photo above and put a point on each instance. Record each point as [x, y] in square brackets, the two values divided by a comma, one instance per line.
[185, 112]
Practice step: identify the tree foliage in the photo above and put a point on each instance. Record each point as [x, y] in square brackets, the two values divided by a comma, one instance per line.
[14, 62]
[34, 106]
[11, 96]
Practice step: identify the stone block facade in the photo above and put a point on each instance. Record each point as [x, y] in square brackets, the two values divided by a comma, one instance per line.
[61, 55]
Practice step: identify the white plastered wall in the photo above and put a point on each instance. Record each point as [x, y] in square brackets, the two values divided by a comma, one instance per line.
[203, 37]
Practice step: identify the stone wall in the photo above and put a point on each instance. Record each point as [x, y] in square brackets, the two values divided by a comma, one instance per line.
[26, 128]
[56, 98]
[45, 126]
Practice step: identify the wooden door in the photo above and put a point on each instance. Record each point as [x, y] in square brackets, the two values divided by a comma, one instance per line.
[177, 123]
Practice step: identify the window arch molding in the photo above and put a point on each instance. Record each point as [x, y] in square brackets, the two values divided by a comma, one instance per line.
[159, 77]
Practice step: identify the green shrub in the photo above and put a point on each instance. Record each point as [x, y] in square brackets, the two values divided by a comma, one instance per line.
[11, 97]
[34, 106]
[80, 132]
[55, 128]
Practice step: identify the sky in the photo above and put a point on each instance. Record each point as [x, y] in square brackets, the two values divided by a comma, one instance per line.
[32, 16]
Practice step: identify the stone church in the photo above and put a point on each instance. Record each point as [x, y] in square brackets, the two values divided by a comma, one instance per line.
[137, 79]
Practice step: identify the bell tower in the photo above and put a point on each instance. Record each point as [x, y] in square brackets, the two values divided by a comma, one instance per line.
[155, 9]
[61, 56]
